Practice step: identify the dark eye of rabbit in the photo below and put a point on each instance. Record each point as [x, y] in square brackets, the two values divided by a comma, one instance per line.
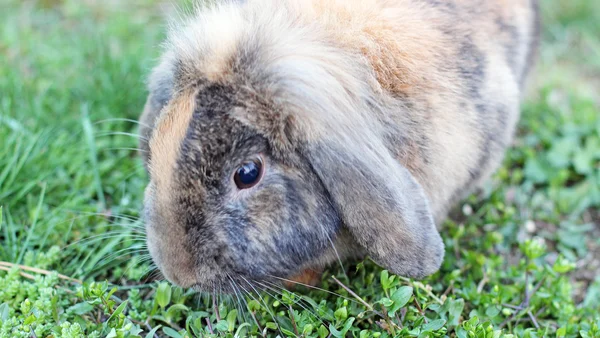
[248, 174]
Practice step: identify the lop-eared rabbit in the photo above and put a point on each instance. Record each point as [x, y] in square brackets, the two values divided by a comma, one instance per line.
[283, 135]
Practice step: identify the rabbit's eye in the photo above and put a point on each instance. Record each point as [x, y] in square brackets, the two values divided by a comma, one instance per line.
[249, 174]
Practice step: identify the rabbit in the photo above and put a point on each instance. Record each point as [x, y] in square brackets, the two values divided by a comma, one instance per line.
[283, 136]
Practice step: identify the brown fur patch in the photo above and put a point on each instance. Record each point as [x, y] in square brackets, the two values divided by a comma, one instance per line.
[392, 41]
[307, 277]
[167, 138]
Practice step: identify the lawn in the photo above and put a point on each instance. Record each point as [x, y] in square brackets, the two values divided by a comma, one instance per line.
[523, 255]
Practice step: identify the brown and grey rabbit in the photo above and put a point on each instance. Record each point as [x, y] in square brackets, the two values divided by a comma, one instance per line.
[282, 135]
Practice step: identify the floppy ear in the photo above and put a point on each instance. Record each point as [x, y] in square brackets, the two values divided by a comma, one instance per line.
[381, 203]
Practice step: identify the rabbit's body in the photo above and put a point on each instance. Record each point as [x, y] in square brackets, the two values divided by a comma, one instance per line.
[372, 118]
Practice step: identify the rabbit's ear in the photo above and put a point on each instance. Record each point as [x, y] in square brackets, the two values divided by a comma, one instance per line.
[381, 203]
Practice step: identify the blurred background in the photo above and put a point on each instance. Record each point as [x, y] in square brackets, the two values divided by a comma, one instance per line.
[72, 86]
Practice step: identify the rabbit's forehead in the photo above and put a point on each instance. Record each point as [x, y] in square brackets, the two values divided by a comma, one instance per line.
[214, 141]
[194, 138]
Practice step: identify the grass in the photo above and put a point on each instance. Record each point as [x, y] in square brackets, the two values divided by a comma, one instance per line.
[523, 257]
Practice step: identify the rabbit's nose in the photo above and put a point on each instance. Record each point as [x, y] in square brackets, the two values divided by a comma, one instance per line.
[172, 258]
[182, 280]
[177, 268]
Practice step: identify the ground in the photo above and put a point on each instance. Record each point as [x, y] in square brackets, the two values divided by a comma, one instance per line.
[523, 255]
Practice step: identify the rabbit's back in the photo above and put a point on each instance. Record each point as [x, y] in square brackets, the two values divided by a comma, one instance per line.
[450, 72]
[456, 70]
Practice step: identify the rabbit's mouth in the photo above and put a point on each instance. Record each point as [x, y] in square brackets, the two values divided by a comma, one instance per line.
[234, 285]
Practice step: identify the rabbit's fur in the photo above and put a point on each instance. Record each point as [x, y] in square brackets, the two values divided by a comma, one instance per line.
[374, 117]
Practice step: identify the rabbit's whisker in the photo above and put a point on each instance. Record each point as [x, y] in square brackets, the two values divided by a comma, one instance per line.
[105, 236]
[133, 219]
[120, 254]
[265, 304]
[296, 302]
[122, 120]
[122, 133]
[237, 296]
[337, 255]
[315, 288]
[124, 148]
[244, 295]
